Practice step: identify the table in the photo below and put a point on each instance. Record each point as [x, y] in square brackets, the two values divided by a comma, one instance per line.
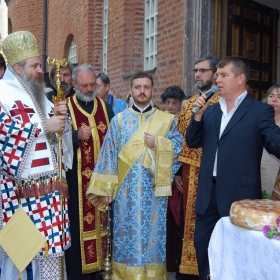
[236, 253]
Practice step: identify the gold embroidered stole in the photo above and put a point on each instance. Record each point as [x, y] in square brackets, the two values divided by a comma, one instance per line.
[107, 185]
[158, 124]
[93, 223]
[191, 164]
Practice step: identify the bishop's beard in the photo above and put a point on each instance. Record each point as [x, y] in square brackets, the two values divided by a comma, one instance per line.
[37, 87]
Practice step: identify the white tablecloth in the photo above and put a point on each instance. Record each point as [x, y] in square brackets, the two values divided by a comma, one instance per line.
[236, 253]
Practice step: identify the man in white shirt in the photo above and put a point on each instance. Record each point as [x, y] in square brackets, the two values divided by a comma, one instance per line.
[232, 134]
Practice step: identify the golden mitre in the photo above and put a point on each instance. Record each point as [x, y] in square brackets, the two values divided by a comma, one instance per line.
[19, 46]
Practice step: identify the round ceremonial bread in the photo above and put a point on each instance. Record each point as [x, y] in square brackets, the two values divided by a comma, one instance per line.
[255, 213]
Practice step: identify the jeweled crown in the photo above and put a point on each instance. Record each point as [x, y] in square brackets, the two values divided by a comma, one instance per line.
[19, 46]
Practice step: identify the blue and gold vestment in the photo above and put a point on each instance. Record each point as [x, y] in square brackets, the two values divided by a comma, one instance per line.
[139, 229]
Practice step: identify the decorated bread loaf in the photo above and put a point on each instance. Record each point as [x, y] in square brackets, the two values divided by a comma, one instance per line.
[254, 214]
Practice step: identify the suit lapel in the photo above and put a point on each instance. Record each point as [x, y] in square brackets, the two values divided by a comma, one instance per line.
[217, 119]
[238, 114]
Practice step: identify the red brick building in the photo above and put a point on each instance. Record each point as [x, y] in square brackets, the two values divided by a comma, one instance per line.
[119, 37]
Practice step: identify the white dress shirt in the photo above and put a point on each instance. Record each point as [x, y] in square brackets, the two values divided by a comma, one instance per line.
[226, 116]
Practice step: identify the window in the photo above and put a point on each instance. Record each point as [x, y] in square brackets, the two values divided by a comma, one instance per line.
[105, 34]
[72, 56]
[150, 47]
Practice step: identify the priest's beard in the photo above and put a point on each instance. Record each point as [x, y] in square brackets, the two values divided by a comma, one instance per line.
[86, 97]
[66, 90]
[36, 86]
[204, 86]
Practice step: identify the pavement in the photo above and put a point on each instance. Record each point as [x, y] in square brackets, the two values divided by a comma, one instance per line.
[171, 275]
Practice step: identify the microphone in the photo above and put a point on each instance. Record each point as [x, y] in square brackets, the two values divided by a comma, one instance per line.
[209, 93]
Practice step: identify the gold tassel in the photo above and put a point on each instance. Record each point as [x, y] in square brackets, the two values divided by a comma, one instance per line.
[184, 269]
[19, 277]
[46, 253]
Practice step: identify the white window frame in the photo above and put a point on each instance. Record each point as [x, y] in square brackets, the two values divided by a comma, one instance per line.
[150, 45]
[72, 55]
[105, 33]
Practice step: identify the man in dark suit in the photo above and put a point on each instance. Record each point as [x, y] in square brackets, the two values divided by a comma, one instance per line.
[232, 134]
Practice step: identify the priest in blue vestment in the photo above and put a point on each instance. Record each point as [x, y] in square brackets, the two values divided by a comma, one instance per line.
[135, 168]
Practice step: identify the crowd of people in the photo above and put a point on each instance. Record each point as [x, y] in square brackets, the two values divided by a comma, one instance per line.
[98, 176]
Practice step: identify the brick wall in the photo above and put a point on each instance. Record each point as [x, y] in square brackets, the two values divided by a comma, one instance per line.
[79, 19]
[171, 30]
[82, 20]
[66, 19]
[27, 15]
[126, 43]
